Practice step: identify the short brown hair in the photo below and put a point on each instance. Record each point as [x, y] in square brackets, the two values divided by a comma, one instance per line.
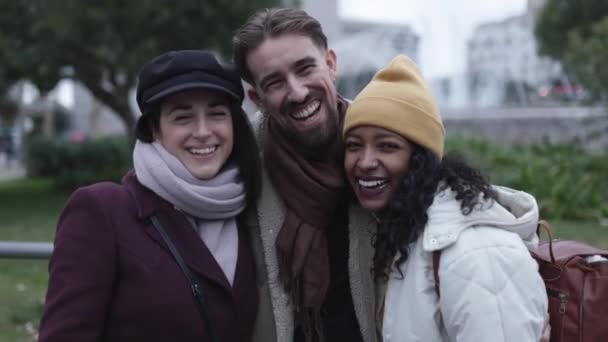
[270, 23]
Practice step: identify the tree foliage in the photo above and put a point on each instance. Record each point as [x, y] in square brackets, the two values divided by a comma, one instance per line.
[102, 44]
[575, 32]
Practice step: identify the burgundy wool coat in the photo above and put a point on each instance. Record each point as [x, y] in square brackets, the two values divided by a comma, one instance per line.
[112, 279]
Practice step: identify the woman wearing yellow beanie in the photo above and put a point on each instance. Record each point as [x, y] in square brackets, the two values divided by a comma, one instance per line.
[450, 246]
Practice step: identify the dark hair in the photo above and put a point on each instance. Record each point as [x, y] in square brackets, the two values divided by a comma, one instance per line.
[246, 154]
[404, 219]
[148, 123]
[245, 150]
[271, 23]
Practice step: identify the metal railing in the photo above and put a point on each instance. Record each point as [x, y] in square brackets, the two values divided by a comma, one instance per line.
[25, 250]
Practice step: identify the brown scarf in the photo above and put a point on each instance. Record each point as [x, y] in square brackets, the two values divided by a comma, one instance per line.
[311, 191]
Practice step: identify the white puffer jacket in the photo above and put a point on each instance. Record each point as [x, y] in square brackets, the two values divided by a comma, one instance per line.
[489, 284]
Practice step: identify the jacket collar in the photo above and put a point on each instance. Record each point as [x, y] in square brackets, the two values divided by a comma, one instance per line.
[146, 201]
[514, 211]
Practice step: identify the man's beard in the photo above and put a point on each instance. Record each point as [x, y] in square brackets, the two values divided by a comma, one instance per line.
[314, 141]
[317, 140]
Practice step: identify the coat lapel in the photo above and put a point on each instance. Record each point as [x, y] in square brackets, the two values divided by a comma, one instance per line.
[271, 214]
[192, 249]
[190, 246]
[361, 229]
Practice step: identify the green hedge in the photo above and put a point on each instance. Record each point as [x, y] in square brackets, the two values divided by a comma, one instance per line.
[72, 164]
[567, 182]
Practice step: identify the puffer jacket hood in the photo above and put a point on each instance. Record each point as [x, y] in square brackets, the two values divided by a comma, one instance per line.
[514, 211]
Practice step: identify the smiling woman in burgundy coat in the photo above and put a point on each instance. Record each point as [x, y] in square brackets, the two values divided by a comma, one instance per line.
[165, 256]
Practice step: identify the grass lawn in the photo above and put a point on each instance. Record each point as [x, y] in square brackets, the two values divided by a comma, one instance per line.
[29, 210]
[590, 232]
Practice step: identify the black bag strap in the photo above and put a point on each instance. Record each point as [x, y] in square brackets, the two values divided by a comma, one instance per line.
[195, 285]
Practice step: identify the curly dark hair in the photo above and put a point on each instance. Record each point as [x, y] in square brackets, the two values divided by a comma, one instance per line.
[404, 219]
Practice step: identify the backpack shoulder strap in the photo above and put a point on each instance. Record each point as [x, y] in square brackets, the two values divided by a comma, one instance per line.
[436, 259]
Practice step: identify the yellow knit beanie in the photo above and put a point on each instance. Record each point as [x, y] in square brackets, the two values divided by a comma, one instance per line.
[398, 99]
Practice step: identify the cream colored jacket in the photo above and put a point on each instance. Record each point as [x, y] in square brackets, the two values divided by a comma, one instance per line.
[489, 284]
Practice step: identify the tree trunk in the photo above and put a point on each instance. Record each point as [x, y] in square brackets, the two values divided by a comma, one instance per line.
[123, 110]
[118, 101]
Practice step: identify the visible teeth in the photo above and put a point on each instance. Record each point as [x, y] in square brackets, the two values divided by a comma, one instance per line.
[372, 184]
[307, 111]
[203, 151]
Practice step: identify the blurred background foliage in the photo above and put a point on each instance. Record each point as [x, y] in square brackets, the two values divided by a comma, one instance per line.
[568, 182]
[71, 165]
[102, 44]
[576, 34]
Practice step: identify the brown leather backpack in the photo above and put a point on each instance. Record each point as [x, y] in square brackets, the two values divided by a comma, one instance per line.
[577, 287]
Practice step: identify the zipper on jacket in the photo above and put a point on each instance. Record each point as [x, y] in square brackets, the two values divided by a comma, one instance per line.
[563, 299]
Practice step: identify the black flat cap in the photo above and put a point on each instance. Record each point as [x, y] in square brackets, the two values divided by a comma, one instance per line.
[181, 70]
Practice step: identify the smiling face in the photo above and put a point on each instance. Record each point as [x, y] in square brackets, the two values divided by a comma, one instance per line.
[294, 84]
[196, 127]
[375, 161]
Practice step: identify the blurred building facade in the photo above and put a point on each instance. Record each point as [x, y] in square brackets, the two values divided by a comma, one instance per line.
[326, 12]
[365, 47]
[504, 56]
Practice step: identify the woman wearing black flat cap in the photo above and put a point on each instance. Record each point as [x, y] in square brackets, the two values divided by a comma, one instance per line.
[165, 256]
